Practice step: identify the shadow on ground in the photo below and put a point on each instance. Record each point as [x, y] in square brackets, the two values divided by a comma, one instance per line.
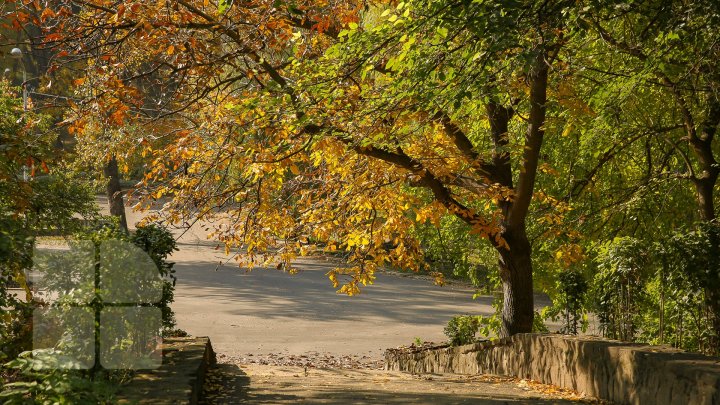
[310, 295]
[229, 384]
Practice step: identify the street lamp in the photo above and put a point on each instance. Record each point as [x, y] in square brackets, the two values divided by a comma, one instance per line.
[17, 53]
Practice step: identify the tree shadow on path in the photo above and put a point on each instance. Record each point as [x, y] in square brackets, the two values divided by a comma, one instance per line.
[228, 384]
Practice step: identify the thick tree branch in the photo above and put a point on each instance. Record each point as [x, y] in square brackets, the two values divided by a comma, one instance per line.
[538, 78]
[425, 178]
[465, 146]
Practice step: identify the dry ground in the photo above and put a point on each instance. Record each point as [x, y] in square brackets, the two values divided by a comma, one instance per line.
[264, 384]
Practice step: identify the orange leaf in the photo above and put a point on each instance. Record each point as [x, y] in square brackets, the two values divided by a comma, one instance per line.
[47, 13]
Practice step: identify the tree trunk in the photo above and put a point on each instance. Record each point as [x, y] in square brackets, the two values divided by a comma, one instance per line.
[712, 300]
[702, 146]
[516, 274]
[114, 192]
[704, 188]
[516, 258]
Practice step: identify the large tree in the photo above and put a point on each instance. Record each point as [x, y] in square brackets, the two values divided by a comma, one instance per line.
[334, 126]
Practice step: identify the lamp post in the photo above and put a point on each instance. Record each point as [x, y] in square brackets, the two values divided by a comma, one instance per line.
[17, 53]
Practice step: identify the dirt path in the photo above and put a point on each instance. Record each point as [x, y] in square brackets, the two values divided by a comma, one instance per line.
[264, 384]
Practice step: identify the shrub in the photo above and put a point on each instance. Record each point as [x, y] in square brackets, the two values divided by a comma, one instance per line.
[159, 243]
[461, 329]
[662, 292]
[688, 288]
[569, 304]
[38, 383]
[619, 293]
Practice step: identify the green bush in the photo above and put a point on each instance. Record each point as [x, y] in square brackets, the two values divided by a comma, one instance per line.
[26, 380]
[619, 293]
[34, 382]
[461, 329]
[687, 290]
[569, 303]
[662, 292]
[157, 241]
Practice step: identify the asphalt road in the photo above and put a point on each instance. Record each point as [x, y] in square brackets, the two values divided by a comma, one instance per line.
[269, 311]
[269, 314]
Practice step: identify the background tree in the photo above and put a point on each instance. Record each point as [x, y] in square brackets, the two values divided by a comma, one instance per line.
[668, 50]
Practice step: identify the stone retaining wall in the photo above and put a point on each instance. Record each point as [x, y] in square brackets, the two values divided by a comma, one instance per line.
[620, 372]
[180, 378]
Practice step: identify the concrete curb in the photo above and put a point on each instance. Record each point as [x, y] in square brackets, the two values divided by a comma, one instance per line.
[180, 378]
[619, 372]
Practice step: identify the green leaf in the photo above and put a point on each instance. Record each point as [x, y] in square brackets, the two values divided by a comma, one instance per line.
[224, 5]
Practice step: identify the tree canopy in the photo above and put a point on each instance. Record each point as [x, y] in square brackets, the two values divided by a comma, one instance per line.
[298, 127]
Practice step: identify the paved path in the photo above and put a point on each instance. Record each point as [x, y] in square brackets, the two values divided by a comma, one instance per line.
[253, 384]
[270, 311]
[266, 311]
[264, 321]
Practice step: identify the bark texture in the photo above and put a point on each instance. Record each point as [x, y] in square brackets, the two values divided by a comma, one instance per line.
[116, 202]
[517, 281]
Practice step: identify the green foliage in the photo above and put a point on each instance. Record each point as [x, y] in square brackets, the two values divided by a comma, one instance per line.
[59, 203]
[619, 286]
[33, 379]
[15, 330]
[15, 254]
[33, 199]
[538, 323]
[569, 304]
[157, 241]
[36, 382]
[491, 325]
[662, 292]
[687, 288]
[224, 5]
[461, 329]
